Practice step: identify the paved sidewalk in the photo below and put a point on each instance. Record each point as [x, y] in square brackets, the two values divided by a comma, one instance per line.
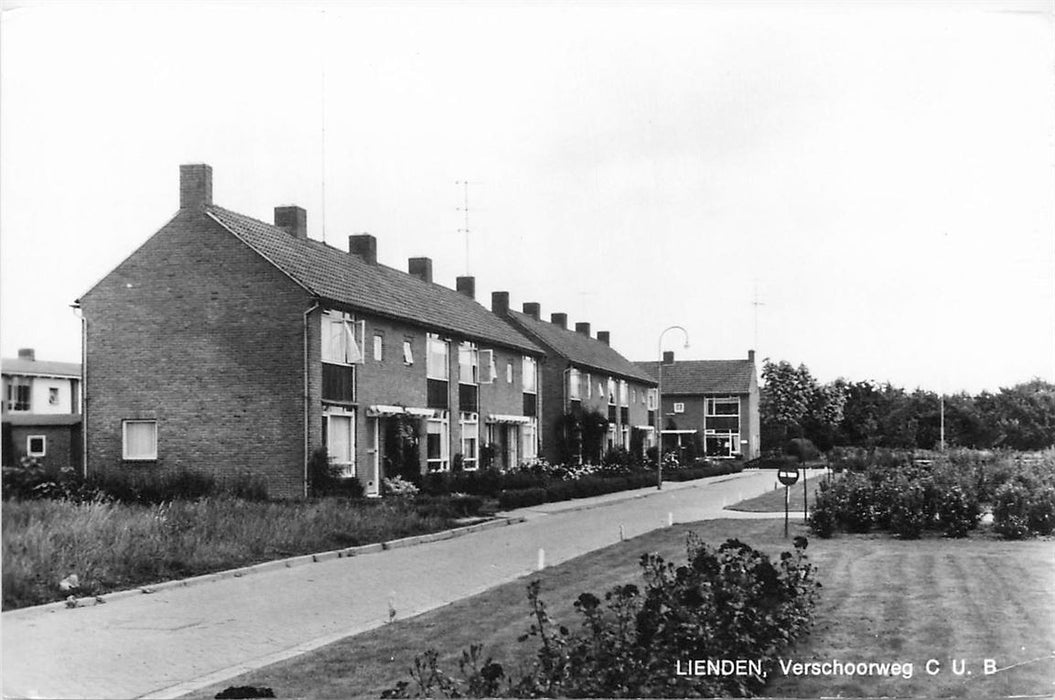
[183, 638]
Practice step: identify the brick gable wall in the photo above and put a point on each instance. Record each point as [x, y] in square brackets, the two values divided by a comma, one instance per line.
[200, 333]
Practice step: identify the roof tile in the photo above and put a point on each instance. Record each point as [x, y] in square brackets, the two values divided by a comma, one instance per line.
[704, 376]
[345, 278]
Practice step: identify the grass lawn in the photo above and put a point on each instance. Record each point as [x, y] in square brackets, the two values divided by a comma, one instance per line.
[773, 501]
[883, 600]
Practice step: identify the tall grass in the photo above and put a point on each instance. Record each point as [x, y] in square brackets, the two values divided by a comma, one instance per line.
[110, 546]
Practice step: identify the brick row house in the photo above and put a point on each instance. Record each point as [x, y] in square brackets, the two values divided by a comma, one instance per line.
[582, 374]
[41, 411]
[711, 402]
[226, 344]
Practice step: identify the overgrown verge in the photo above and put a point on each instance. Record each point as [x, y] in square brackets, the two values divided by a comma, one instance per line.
[732, 602]
[889, 490]
[111, 546]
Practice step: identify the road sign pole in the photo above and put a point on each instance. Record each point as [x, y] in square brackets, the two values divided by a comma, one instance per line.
[805, 506]
[787, 503]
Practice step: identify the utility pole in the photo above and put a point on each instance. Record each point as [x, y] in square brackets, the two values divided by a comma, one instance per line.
[465, 210]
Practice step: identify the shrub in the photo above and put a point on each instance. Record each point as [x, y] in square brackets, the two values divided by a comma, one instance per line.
[909, 513]
[958, 511]
[398, 487]
[1041, 511]
[858, 513]
[802, 449]
[1011, 511]
[823, 518]
[732, 602]
[323, 475]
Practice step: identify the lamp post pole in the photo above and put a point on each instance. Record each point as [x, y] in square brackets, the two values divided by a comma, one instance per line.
[659, 405]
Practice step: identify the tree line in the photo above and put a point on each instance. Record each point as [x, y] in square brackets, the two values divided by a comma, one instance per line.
[793, 404]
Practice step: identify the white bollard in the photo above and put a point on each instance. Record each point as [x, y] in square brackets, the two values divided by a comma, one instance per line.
[670, 519]
[622, 533]
[541, 559]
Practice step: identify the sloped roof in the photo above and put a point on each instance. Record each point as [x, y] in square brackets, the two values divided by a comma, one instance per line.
[342, 277]
[579, 348]
[704, 376]
[42, 419]
[40, 367]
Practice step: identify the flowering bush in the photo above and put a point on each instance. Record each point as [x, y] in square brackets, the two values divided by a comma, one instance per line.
[399, 487]
[732, 602]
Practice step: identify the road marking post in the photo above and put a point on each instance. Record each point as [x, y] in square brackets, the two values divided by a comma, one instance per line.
[670, 519]
[541, 559]
[622, 533]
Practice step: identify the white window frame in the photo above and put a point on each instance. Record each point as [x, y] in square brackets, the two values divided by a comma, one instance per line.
[468, 351]
[712, 402]
[379, 347]
[488, 371]
[611, 391]
[624, 393]
[13, 386]
[408, 352]
[509, 372]
[626, 437]
[679, 407]
[589, 386]
[530, 370]
[43, 442]
[443, 462]
[148, 457]
[348, 468]
[54, 396]
[348, 349]
[432, 342]
[470, 425]
[574, 385]
[651, 402]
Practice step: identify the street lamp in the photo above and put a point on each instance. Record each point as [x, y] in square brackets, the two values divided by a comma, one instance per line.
[659, 405]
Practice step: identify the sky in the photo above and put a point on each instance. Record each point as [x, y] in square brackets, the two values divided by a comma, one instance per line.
[866, 188]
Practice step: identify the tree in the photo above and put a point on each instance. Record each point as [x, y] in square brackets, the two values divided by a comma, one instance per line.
[1022, 417]
[793, 404]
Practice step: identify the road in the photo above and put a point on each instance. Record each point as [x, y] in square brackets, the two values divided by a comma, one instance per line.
[177, 640]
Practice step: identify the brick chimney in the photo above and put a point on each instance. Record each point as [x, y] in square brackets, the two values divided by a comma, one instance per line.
[421, 268]
[668, 357]
[365, 246]
[27, 354]
[533, 309]
[293, 220]
[560, 319]
[603, 336]
[466, 286]
[195, 185]
[583, 327]
[500, 303]
[750, 355]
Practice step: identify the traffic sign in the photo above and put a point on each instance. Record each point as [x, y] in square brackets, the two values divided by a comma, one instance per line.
[788, 476]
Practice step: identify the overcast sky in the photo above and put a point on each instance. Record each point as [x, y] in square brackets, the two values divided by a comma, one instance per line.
[882, 174]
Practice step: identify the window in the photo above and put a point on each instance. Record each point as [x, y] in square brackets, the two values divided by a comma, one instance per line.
[438, 445]
[626, 437]
[437, 359]
[624, 393]
[722, 415]
[529, 379]
[679, 407]
[340, 441]
[509, 373]
[529, 440]
[140, 439]
[652, 399]
[611, 391]
[589, 386]
[18, 393]
[342, 338]
[600, 389]
[53, 396]
[573, 384]
[408, 353]
[468, 363]
[379, 347]
[633, 396]
[488, 371]
[470, 441]
[723, 407]
[36, 445]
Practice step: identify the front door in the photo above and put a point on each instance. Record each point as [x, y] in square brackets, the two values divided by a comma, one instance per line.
[370, 474]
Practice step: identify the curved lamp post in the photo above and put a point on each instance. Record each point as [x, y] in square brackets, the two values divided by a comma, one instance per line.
[659, 405]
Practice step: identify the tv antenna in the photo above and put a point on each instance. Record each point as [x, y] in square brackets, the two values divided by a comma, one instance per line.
[756, 303]
[465, 210]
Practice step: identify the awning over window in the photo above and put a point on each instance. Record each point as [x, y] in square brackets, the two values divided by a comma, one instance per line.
[501, 418]
[384, 411]
[679, 432]
[644, 427]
